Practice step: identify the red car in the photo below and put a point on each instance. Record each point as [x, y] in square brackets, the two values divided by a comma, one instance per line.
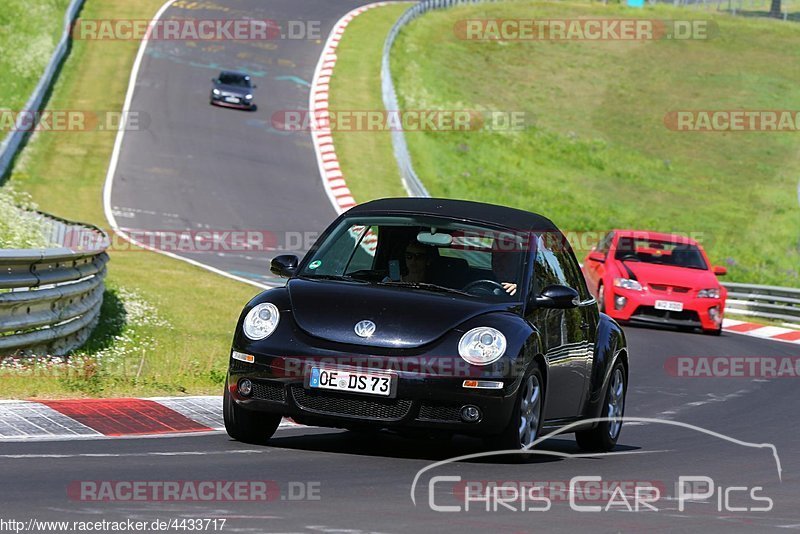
[656, 278]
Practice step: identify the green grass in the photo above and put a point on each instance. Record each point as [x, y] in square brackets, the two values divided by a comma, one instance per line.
[596, 154]
[356, 86]
[29, 32]
[18, 228]
[166, 326]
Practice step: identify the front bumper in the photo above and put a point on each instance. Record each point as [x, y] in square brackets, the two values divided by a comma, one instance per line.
[219, 100]
[421, 401]
[639, 307]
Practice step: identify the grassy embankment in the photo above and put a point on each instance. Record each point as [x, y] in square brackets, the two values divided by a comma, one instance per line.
[596, 153]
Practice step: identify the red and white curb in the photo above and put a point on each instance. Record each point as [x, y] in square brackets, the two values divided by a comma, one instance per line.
[776, 333]
[103, 418]
[332, 178]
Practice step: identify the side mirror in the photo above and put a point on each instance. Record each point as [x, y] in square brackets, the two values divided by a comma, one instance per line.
[719, 270]
[255, 86]
[215, 80]
[284, 265]
[558, 297]
[596, 256]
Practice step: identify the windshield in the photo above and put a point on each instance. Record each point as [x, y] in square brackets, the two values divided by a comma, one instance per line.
[677, 254]
[422, 253]
[234, 79]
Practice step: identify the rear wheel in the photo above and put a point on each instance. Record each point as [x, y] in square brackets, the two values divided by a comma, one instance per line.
[525, 424]
[604, 436]
[247, 426]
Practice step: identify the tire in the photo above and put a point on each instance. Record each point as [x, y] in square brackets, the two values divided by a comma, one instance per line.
[715, 332]
[247, 426]
[528, 412]
[601, 299]
[604, 436]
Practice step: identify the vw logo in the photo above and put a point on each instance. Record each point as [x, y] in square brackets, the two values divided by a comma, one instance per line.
[364, 328]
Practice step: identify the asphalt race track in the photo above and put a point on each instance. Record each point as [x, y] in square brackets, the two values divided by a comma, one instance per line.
[201, 167]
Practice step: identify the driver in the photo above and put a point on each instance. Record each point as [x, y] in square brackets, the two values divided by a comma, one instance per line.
[505, 263]
[504, 267]
[419, 259]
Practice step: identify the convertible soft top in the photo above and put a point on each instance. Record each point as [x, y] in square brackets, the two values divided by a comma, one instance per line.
[459, 209]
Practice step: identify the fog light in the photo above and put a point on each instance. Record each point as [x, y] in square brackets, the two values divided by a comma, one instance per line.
[245, 387]
[470, 414]
[620, 302]
[713, 312]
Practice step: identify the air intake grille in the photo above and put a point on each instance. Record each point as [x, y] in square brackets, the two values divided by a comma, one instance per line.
[451, 414]
[267, 391]
[383, 409]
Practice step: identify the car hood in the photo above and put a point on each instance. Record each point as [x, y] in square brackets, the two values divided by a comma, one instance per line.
[235, 89]
[404, 317]
[653, 273]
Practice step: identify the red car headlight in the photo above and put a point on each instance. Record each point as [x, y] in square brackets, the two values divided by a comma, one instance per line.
[711, 293]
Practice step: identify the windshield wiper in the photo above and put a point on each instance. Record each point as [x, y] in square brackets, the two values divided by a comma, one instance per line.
[339, 277]
[425, 285]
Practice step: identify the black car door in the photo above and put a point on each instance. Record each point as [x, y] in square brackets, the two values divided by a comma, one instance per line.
[566, 333]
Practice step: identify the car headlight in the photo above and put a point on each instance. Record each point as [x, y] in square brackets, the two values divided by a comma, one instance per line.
[215, 91]
[482, 345]
[261, 321]
[248, 97]
[711, 293]
[627, 283]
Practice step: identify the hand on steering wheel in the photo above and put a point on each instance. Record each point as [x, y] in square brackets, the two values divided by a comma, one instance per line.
[490, 287]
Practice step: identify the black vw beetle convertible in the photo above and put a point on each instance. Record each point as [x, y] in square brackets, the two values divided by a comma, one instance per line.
[430, 315]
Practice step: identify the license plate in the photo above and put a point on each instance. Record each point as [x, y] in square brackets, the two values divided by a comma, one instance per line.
[232, 99]
[353, 381]
[669, 305]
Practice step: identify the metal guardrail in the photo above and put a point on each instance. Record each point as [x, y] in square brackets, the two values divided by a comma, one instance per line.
[50, 298]
[768, 302]
[14, 139]
[411, 182]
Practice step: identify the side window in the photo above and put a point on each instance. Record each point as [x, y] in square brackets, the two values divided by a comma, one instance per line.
[573, 271]
[548, 269]
[557, 265]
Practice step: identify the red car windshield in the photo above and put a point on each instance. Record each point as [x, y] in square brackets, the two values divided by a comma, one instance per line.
[676, 254]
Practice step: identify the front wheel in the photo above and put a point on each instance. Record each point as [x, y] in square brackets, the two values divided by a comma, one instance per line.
[247, 426]
[526, 418]
[603, 437]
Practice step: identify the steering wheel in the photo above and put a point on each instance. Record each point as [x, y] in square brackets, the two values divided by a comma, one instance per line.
[629, 256]
[484, 287]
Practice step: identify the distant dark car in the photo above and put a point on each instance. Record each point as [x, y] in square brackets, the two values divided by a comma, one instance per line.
[433, 315]
[233, 89]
